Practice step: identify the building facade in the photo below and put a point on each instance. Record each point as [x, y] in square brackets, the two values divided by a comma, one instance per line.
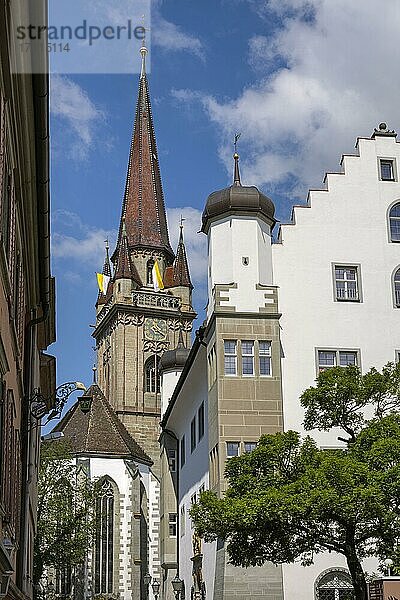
[27, 323]
[326, 293]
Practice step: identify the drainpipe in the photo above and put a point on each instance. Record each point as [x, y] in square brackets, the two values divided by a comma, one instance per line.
[40, 84]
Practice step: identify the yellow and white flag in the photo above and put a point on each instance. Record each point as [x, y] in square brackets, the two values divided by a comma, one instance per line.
[103, 281]
[157, 279]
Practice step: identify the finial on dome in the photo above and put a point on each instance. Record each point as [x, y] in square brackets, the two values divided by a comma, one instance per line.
[94, 369]
[143, 52]
[236, 172]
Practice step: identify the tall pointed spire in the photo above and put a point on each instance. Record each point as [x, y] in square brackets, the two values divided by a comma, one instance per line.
[143, 205]
[102, 298]
[181, 275]
[125, 269]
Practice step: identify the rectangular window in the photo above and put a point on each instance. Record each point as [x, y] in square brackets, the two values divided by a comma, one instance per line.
[201, 420]
[247, 357]
[346, 282]
[183, 451]
[172, 525]
[334, 358]
[249, 446]
[326, 359]
[172, 459]
[386, 170]
[232, 449]
[193, 434]
[264, 351]
[230, 358]
[347, 358]
[182, 523]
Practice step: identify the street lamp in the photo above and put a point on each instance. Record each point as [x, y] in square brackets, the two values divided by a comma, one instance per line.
[177, 585]
[156, 588]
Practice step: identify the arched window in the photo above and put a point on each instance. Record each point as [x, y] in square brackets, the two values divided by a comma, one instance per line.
[149, 272]
[394, 222]
[104, 543]
[152, 375]
[396, 288]
[334, 584]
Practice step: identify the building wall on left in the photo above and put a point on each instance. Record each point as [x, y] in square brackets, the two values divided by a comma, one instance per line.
[26, 294]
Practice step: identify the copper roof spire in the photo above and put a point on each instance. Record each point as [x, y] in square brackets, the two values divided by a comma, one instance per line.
[125, 269]
[181, 274]
[143, 205]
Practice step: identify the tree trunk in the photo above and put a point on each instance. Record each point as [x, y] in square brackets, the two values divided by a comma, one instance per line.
[356, 572]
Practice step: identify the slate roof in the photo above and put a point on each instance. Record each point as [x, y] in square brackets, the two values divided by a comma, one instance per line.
[143, 205]
[99, 431]
[125, 269]
[181, 274]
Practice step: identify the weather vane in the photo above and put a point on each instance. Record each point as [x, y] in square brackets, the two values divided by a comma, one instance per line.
[237, 136]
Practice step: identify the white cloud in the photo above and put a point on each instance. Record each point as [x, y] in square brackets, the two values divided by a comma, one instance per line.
[169, 36]
[195, 242]
[338, 80]
[72, 105]
[79, 245]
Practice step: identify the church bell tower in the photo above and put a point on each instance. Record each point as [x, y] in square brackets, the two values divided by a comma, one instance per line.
[135, 324]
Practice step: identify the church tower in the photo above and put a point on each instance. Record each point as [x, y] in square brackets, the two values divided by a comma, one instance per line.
[135, 324]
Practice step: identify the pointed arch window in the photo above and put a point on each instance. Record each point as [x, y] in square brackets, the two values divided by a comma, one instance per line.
[152, 375]
[394, 222]
[396, 288]
[104, 543]
[334, 584]
[149, 272]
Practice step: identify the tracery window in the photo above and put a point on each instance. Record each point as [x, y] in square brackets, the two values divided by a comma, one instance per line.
[149, 272]
[104, 543]
[152, 375]
[334, 585]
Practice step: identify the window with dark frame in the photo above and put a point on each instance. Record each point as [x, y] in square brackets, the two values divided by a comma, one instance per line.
[172, 525]
[201, 420]
[152, 375]
[172, 459]
[104, 541]
[193, 434]
[183, 451]
[387, 169]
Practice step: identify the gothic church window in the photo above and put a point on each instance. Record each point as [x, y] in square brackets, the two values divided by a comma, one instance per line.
[334, 585]
[396, 288]
[104, 542]
[394, 223]
[149, 272]
[152, 375]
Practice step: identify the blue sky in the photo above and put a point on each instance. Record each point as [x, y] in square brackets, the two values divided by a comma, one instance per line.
[299, 78]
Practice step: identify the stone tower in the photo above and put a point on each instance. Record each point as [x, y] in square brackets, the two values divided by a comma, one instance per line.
[135, 324]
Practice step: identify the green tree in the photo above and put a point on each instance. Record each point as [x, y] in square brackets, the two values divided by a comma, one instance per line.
[289, 500]
[66, 511]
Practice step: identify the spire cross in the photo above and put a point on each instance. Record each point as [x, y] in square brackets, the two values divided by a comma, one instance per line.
[237, 136]
[143, 50]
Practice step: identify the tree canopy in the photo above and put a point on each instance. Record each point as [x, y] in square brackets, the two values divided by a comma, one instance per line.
[288, 500]
[66, 511]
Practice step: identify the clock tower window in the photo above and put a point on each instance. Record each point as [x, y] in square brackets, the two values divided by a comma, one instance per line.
[152, 375]
[149, 272]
